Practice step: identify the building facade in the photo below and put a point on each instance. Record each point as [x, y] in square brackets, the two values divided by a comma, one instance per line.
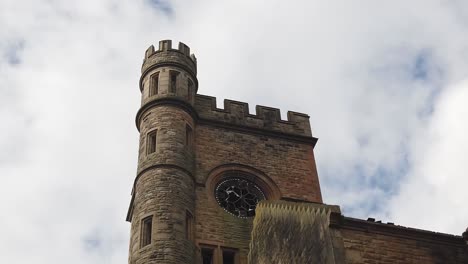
[224, 186]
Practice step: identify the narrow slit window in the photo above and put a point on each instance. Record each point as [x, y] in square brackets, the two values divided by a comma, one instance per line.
[207, 255]
[154, 84]
[151, 142]
[146, 229]
[229, 257]
[190, 90]
[173, 85]
[189, 225]
[188, 136]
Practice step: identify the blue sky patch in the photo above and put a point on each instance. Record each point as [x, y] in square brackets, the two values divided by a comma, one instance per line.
[420, 66]
[91, 243]
[425, 67]
[12, 52]
[162, 5]
[384, 180]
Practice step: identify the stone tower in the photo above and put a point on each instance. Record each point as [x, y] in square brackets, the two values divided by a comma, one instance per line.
[164, 189]
[223, 186]
[202, 170]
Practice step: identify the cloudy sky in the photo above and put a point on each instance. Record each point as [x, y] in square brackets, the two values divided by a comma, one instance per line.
[385, 84]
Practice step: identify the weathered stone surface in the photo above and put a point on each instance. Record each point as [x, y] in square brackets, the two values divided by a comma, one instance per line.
[290, 165]
[286, 232]
[373, 242]
[277, 153]
[166, 194]
[181, 174]
[266, 118]
[165, 184]
[167, 55]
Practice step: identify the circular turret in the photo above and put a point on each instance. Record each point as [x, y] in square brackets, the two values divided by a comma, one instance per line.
[166, 55]
[169, 73]
[164, 190]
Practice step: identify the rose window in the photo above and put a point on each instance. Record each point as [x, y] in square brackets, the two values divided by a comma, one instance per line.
[238, 196]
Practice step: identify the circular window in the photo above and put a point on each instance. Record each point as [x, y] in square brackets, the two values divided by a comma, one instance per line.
[238, 196]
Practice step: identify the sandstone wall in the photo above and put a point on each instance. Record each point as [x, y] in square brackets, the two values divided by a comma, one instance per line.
[369, 242]
[290, 165]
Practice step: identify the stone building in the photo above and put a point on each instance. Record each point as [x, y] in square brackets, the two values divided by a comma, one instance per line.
[224, 186]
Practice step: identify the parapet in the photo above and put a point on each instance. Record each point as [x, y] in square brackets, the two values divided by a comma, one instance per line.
[166, 55]
[265, 118]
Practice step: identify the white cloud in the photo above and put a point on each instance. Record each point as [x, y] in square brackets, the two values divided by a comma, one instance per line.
[434, 196]
[69, 144]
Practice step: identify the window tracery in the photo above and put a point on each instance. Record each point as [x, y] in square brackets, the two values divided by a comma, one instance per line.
[238, 196]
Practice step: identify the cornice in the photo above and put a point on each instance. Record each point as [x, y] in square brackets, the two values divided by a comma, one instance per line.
[259, 131]
[165, 101]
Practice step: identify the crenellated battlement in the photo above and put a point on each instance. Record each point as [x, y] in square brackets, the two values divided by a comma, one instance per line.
[165, 54]
[266, 118]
